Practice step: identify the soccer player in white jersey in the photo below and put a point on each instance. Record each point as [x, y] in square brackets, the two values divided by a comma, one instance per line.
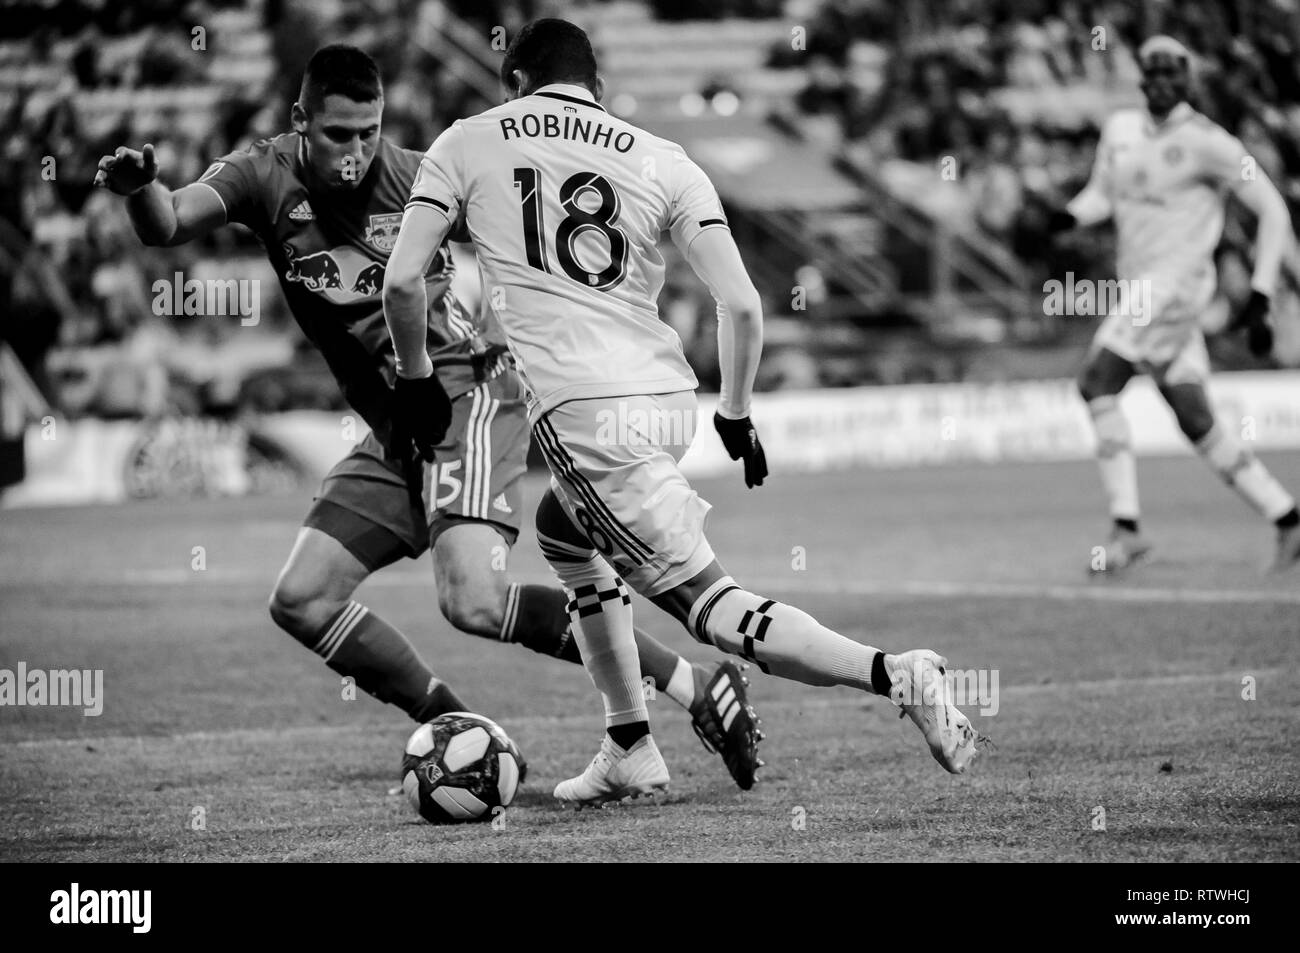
[565, 205]
[1163, 174]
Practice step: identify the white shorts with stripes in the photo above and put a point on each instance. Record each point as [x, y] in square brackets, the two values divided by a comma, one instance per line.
[613, 464]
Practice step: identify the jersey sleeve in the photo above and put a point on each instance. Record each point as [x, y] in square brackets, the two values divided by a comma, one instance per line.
[440, 181]
[1223, 158]
[236, 180]
[693, 203]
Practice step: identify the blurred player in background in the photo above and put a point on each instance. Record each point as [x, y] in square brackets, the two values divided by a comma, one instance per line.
[1163, 174]
[565, 205]
[326, 200]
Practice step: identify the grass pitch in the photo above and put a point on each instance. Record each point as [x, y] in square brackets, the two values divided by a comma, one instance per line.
[1122, 695]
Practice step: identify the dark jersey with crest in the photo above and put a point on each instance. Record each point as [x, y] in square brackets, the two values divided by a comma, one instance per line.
[329, 249]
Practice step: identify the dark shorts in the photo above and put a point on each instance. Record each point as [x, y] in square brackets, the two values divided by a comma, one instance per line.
[366, 505]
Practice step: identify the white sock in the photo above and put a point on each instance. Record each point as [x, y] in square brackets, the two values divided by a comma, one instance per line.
[778, 638]
[1115, 457]
[601, 609]
[681, 687]
[1242, 471]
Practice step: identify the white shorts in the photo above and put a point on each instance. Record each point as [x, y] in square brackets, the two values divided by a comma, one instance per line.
[1163, 337]
[1175, 355]
[613, 464]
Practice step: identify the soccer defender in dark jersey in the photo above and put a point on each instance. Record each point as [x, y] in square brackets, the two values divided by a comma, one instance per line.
[326, 202]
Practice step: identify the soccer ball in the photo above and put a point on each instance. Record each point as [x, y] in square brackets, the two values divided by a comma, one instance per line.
[459, 767]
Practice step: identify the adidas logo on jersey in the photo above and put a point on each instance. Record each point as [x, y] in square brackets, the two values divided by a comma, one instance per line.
[500, 504]
[302, 213]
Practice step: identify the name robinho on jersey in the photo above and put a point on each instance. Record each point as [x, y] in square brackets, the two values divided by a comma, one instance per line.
[574, 128]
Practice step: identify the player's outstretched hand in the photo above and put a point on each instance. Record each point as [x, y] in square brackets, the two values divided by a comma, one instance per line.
[421, 416]
[741, 440]
[127, 170]
[1254, 318]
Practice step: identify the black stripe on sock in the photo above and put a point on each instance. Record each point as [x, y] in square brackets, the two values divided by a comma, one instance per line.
[701, 621]
[880, 683]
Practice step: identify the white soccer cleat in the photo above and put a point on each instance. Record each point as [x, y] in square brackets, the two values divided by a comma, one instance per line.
[1123, 550]
[615, 774]
[921, 690]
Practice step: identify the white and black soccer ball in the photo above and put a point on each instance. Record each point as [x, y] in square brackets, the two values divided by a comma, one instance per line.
[460, 766]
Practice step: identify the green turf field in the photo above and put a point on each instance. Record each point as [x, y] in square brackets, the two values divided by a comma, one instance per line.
[1124, 695]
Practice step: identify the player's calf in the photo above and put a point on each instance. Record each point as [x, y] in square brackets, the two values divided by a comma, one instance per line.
[1100, 383]
[786, 641]
[312, 602]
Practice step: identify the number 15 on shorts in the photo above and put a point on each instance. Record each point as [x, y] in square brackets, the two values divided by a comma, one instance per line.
[446, 485]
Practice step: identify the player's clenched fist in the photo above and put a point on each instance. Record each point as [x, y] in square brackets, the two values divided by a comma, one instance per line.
[421, 416]
[741, 440]
[126, 170]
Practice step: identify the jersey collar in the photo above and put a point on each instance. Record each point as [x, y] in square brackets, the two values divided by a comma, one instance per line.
[1177, 116]
[570, 93]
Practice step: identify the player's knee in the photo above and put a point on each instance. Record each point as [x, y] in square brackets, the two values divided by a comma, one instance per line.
[471, 609]
[1103, 376]
[300, 608]
[1191, 410]
[1092, 383]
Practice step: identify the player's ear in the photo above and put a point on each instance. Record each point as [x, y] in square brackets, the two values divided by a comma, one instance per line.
[298, 118]
[520, 80]
[599, 91]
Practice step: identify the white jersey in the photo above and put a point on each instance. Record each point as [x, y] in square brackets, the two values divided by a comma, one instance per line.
[1165, 186]
[565, 205]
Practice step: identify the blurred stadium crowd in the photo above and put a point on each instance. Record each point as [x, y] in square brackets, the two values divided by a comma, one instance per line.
[1009, 89]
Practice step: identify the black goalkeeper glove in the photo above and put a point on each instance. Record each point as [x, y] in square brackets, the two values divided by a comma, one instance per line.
[1254, 318]
[421, 416]
[1060, 221]
[741, 440]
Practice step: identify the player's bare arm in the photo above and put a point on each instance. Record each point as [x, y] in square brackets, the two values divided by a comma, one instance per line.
[1273, 245]
[423, 411]
[716, 260]
[159, 215]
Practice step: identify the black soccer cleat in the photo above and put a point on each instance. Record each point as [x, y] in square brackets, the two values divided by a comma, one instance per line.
[726, 723]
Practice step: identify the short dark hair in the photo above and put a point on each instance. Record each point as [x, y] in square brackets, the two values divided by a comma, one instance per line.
[342, 70]
[551, 51]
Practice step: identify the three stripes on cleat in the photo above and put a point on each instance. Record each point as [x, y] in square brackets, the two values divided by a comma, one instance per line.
[724, 698]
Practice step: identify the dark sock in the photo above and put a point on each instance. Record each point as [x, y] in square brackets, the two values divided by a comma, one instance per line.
[357, 643]
[1289, 520]
[625, 736]
[880, 683]
[1129, 525]
[537, 617]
